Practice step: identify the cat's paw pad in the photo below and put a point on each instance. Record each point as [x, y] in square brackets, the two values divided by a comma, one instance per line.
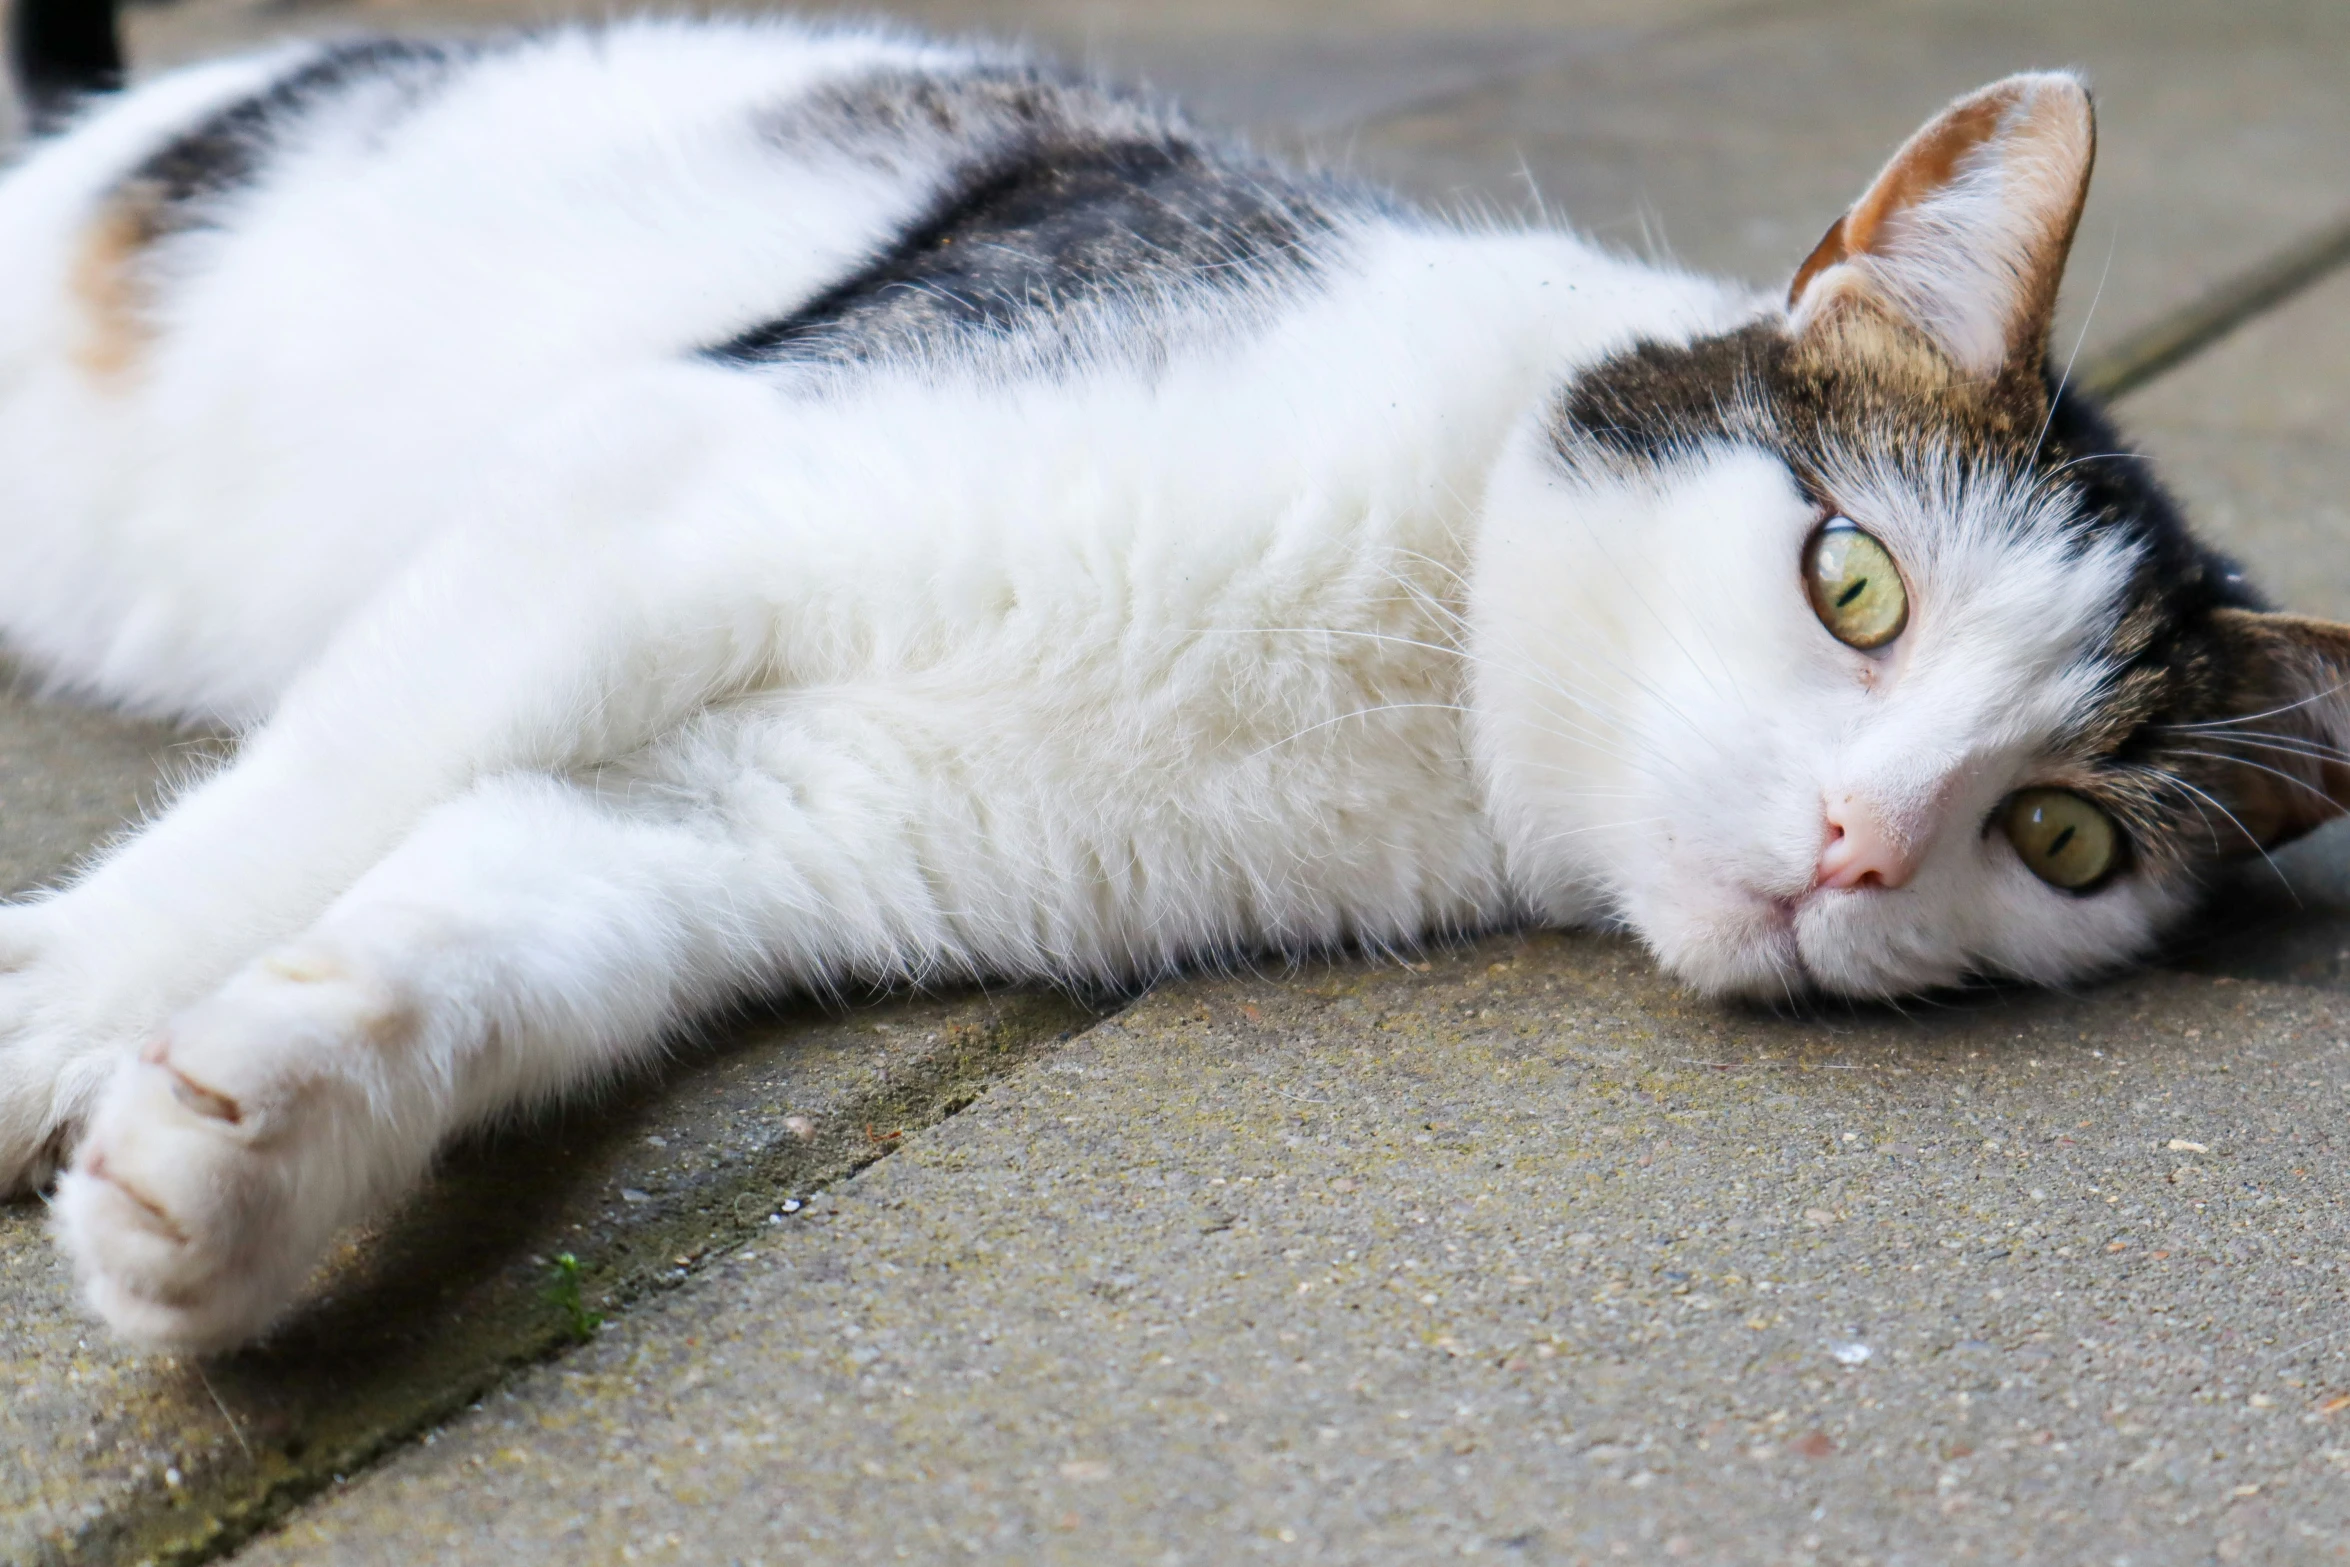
[220, 1162]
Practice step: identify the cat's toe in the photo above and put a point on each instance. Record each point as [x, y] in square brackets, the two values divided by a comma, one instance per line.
[182, 1210]
[219, 1162]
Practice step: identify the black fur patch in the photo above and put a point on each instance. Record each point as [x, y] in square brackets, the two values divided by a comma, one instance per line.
[61, 50]
[1062, 197]
[174, 187]
[1896, 400]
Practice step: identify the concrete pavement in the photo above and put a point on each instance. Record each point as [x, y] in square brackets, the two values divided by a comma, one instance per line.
[1525, 1256]
[1520, 1253]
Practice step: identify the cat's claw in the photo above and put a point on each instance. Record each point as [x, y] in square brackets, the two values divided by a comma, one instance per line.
[221, 1160]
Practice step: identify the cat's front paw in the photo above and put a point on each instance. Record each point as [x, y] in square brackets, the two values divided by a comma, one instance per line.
[222, 1159]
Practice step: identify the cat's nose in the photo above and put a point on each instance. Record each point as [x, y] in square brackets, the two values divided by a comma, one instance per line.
[1858, 850]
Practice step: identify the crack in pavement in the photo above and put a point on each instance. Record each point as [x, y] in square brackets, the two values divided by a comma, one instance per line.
[2170, 340]
[457, 1293]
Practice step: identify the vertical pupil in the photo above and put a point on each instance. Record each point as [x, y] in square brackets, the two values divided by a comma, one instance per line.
[2057, 843]
[1855, 591]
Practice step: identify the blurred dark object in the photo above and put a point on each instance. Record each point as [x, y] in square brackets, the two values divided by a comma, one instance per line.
[61, 50]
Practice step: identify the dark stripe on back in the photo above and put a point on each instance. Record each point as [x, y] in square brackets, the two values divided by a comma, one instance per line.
[227, 150]
[1066, 198]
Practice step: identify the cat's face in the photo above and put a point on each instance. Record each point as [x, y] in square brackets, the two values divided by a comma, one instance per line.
[1829, 656]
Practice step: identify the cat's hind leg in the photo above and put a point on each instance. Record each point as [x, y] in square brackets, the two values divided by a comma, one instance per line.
[536, 934]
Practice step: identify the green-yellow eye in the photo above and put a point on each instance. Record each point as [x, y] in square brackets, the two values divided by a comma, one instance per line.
[2062, 838]
[1855, 587]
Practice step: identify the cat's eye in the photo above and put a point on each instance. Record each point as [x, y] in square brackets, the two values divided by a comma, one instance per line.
[2062, 838]
[1855, 588]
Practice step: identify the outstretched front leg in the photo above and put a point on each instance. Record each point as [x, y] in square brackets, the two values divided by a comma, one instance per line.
[591, 603]
[535, 934]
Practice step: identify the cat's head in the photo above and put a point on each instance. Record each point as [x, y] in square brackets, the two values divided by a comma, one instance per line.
[1834, 653]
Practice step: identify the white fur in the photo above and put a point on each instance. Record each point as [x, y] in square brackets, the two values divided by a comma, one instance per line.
[594, 686]
[1661, 719]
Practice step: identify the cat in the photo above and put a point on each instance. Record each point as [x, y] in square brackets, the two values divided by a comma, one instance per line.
[683, 510]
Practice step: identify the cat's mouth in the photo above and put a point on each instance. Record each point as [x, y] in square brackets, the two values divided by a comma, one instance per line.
[1775, 926]
[1784, 911]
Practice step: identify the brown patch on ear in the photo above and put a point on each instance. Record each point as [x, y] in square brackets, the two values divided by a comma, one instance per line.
[1827, 253]
[106, 284]
[2286, 723]
[1913, 246]
[1925, 163]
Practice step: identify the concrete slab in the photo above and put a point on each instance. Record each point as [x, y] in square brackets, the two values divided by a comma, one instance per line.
[1031, 1321]
[2253, 435]
[71, 776]
[1313, 64]
[108, 1455]
[1046, 1333]
[113, 1457]
[1525, 1256]
[105, 1454]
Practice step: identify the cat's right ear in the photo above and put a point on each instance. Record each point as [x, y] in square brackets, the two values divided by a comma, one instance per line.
[1964, 234]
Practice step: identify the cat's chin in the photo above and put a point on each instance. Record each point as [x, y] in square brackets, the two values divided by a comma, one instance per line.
[1751, 946]
[1739, 947]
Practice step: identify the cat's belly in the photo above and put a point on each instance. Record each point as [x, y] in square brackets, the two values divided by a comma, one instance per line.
[1089, 826]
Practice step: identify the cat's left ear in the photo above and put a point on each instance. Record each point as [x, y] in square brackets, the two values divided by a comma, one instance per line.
[2283, 747]
[1964, 235]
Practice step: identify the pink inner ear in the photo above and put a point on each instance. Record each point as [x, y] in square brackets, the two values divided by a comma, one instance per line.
[1926, 162]
[1964, 233]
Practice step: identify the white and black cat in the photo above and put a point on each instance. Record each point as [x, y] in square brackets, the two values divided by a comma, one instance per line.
[684, 510]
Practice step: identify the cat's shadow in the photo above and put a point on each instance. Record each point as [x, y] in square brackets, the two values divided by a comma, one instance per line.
[2283, 917]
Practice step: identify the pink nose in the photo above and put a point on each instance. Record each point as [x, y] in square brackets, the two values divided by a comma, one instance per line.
[1859, 851]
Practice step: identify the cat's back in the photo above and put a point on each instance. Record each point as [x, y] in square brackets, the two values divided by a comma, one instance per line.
[574, 193]
[261, 319]
[274, 317]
